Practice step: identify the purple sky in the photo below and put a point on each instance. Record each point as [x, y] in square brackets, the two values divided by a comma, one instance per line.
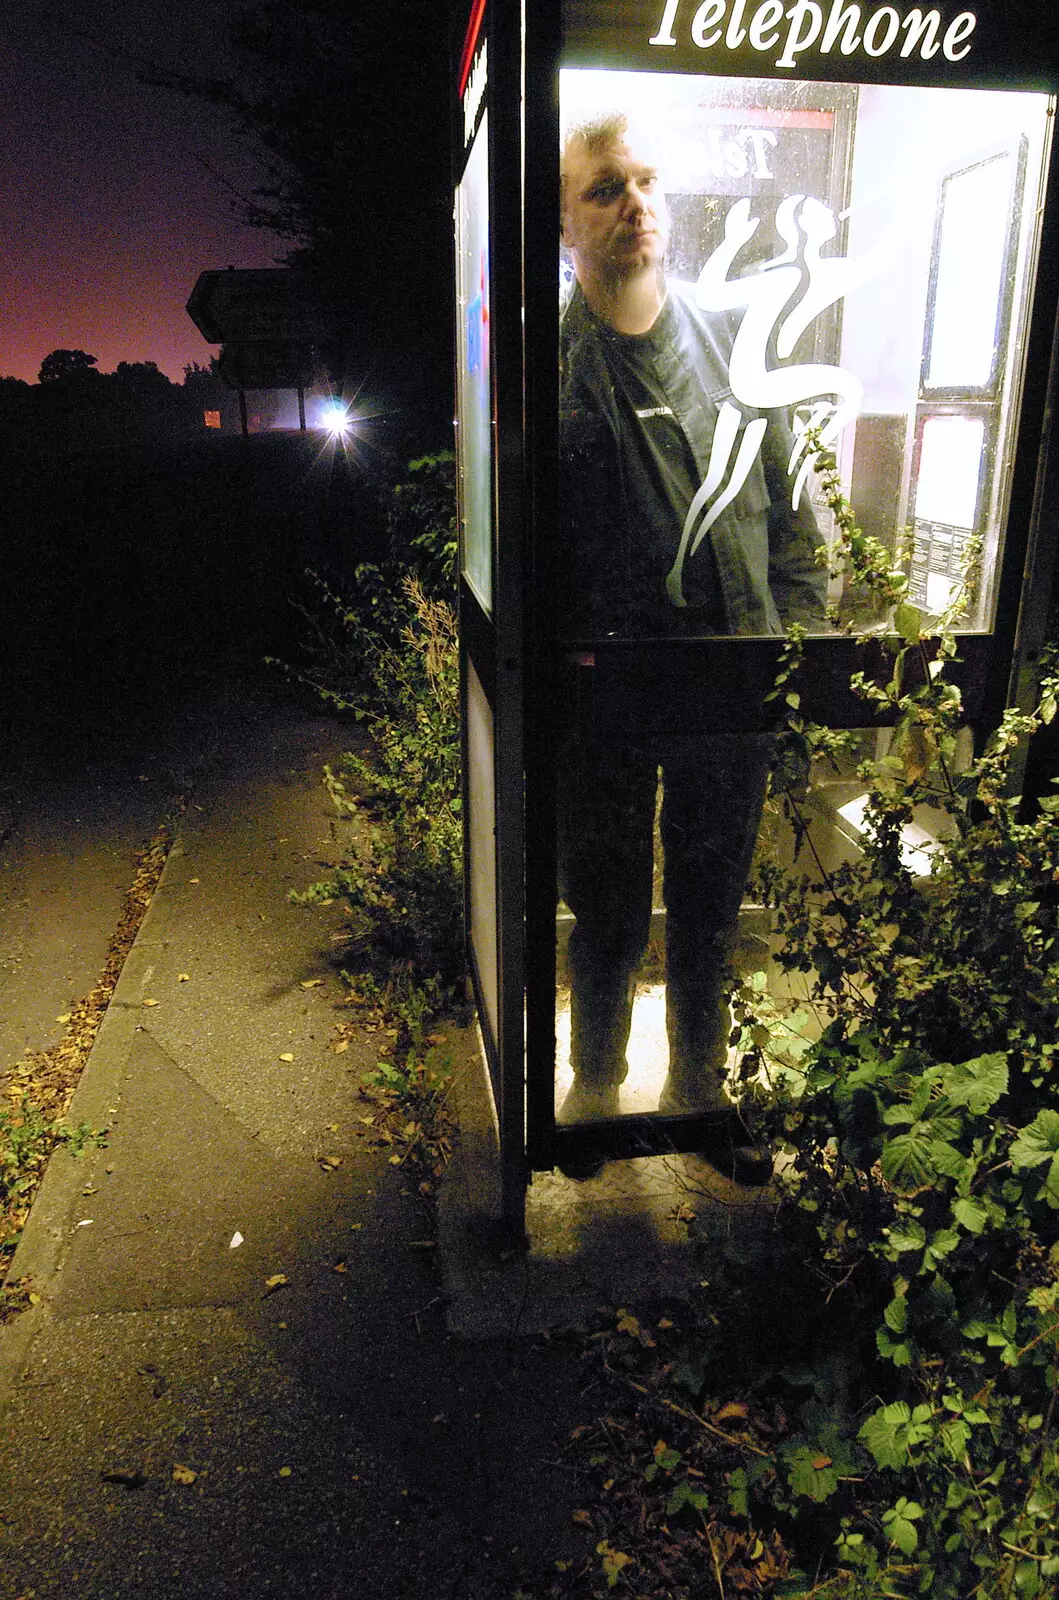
[107, 215]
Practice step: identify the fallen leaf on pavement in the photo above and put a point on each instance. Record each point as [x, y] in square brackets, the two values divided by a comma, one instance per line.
[183, 1474]
[183, 977]
[131, 1479]
[237, 1240]
[277, 1280]
[311, 983]
[287, 1056]
[150, 1002]
[734, 1411]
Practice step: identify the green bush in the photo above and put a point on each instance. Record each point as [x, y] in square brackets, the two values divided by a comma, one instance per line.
[913, 1099]
[394, 664]
[344, 625]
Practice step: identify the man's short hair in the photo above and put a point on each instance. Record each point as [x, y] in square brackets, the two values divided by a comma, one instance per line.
[596, 134]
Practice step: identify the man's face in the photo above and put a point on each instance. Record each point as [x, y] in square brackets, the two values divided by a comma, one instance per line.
[615, 222]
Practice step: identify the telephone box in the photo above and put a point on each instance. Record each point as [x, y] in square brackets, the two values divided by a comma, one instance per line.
[694, 241]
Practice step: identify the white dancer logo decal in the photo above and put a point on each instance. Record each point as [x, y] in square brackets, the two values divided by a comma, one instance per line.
[780, 299]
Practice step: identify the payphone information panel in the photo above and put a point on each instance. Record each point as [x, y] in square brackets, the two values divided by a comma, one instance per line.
[830, 261]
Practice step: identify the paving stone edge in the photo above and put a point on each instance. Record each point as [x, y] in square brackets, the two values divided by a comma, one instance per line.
[96, 1101]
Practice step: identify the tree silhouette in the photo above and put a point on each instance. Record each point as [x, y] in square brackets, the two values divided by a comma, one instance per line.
[66, 366]
[352, 131]
[141, 382]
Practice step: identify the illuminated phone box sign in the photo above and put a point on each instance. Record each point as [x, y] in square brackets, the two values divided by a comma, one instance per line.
[765, 26]
[835, 40]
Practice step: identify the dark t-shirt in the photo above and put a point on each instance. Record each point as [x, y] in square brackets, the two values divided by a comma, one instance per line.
[637, 422]
[668, 477]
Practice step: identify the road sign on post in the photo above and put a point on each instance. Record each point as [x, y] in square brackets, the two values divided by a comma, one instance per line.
[266, 366]
[265, 305]
[269, 321]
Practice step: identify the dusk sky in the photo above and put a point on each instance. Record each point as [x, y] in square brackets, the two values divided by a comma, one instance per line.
[107, 213]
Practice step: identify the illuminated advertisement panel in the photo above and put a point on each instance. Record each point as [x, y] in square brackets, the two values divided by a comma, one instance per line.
[473, 373]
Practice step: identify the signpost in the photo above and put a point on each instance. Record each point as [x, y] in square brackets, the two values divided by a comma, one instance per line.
[263, 305]
[268, 320]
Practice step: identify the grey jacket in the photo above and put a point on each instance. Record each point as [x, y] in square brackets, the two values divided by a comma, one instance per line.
[615, 551]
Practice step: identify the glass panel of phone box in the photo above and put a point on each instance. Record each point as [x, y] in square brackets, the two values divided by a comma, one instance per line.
[754, 273]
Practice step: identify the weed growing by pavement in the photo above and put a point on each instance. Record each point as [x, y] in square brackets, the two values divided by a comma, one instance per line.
[345, 623]
[387, 654]
[28, 1135]
[393, 663]
[409, 1086]
[401, 876]
[40, 1087]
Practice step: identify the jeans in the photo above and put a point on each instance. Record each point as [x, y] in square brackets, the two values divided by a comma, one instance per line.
[713, 789]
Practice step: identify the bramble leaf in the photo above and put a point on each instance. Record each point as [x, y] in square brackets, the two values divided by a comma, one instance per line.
[970, 1214]
[977, 1084]
[906, 1162]
[907, 1236]
[890, 1433]
[808, 1479]
[1037, 1142]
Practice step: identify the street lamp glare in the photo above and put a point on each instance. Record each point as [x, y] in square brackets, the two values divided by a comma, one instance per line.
[335, 418]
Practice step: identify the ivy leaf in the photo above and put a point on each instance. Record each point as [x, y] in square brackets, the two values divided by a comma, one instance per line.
[1038, 1142]
[906, 1162]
